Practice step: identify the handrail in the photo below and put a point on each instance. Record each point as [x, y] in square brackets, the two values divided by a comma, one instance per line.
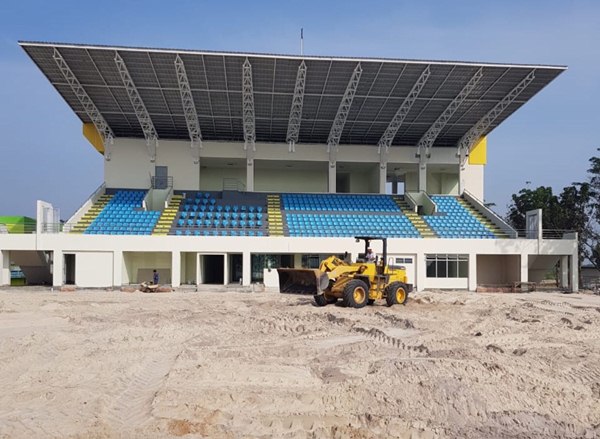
[161, 181]
[84, 206]
[549, 234]
[233, 184]
[495, 218]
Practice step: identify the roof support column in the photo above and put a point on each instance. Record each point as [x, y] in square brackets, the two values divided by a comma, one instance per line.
[331, 177]
[383, 161]
[423, 176]
[189, 109]
[296, 111]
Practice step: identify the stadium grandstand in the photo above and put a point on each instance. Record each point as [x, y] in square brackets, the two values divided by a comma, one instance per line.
[221, 166]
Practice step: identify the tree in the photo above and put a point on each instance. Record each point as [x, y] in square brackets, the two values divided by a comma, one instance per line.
[530, 199]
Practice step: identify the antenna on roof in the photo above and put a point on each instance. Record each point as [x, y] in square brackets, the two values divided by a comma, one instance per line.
[301, 41]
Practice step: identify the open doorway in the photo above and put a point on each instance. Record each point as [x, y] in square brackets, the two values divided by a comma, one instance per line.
[213, 267]
[235, 268]
[69, 269]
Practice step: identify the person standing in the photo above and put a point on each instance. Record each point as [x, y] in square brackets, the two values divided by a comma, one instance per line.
[155, 277]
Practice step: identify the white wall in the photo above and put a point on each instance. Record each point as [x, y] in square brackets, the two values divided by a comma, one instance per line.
[498, 269]
[139, 266]
[472, 180]
[94, 269]
[290, 180]
[130, 165]
[177, 155]
[211, 179]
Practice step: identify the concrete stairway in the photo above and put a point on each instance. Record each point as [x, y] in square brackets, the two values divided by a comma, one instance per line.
[91, 214]
[482, 219]
[274, 217]
[416, 220]
[167, 217]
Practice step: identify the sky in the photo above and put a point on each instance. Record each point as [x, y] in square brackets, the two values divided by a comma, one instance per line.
[548, 142]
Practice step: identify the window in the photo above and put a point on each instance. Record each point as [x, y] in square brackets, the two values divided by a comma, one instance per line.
[404, 260]
[447, 266]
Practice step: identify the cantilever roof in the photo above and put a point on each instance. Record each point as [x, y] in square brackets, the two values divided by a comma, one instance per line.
[216, 82]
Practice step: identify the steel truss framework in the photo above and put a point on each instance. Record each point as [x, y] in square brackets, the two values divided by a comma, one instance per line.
[468, 140]
[139, 108]
[426, 142]
[248, 117]
[90, 108]
[189, 108]
[335, 133]
[293, 130]
[392, 129]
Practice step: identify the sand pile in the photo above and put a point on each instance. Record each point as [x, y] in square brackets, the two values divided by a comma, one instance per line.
[229, 365]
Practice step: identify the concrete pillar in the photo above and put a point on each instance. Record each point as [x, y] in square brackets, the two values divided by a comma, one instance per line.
[473, 272]
[382, 177]
[423, 177]
[331, 179]
[564, 272]
[225, 269]
[246, 269]
[199, 273]
[4, 267]
[461, 179]
[117, 269]
[58, 263]
[574, 260]
[250, 175]
[420, 272]
[176, 269]
[524, 268]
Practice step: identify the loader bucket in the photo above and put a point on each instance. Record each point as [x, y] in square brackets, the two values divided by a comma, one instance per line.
[302, 281]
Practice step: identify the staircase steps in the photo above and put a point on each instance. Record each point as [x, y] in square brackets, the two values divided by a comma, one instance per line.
[167, 217]
[482, 219]
[274, 216]
[422, 227]
[91, 214]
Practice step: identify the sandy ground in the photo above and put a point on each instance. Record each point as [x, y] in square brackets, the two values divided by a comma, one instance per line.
[227, 365]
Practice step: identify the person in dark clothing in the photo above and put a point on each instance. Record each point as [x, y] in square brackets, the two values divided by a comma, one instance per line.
[155, 277]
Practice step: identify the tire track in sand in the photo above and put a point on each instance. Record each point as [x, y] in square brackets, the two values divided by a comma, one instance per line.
[133, 406]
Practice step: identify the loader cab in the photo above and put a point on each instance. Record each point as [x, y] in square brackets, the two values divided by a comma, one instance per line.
[380, 263]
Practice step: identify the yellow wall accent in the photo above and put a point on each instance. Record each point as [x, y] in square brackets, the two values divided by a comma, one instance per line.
[93, 136]
[478, 155]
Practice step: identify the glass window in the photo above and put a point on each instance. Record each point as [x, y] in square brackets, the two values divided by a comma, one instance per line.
[447, 266]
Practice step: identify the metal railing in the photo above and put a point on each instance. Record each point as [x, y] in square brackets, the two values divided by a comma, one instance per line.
[548, 234]
[233, 184]
[161, 182]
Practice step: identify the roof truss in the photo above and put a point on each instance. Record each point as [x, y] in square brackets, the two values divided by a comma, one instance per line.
[189, 108]
[90, 108]
[392, 129]
[335, 133]
[248, 115]
[293, 130]
[426, 142]
[468, 140]
[138, 107]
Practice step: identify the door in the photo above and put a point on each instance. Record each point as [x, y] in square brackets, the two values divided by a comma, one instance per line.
[161, 177]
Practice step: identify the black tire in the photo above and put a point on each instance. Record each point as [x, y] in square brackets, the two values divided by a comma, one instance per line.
[356, 294]
[320, 300]
[396, 293]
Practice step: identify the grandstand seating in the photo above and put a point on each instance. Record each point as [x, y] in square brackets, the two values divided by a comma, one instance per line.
[207, 214]
[453, 220]
[123, 215]
[346, 215]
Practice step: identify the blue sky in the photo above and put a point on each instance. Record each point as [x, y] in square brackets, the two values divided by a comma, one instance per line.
[548, 142]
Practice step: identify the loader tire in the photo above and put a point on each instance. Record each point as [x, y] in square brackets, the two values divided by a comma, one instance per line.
[356, 294]
[396, 294]
[322, 300]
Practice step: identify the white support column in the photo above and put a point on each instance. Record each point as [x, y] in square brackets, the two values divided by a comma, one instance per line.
[461, 179]
[199, 273]
[250, 174]
[225, 269]
[564, 272]
[332, 177]
[473, 272]
[175, 269]
[382, 177]
[246, 269]
[4, 267]
[117, 269]
[58, 263]
[423, 177]
[420, 272]
[574, 259]
[524, 268]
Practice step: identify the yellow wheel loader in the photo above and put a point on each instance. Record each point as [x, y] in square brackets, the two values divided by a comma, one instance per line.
[357, 284]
